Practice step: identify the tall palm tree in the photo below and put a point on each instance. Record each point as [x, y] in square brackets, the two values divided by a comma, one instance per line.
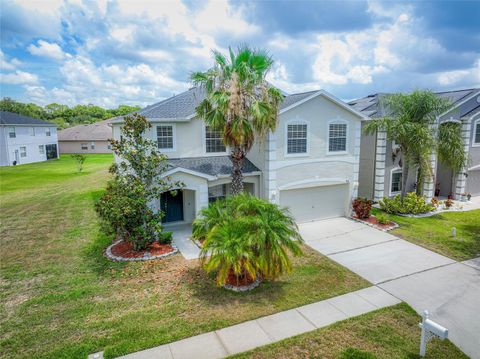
[411, 123]
[239, 102]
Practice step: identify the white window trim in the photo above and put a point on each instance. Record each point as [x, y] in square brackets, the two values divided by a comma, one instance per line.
[48, 132]
[296, 121]
[20, 151]
[174, 135]
[395, 169]
[347, 145]
[42, 152]
[204, 143]
[475, 123]
[14, 132]
[32, 134]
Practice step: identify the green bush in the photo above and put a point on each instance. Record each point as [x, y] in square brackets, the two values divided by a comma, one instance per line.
[411, 204]
[245, 236]
[382, 218]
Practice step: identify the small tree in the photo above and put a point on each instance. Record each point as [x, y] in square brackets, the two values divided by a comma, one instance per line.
[126, 205]
[80, 159]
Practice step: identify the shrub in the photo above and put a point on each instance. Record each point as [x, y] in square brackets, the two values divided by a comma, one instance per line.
[435, 202]
[80, 159]
[362, 207]
[449, 203]
[382, 218]
[411, 204]
[246, 236]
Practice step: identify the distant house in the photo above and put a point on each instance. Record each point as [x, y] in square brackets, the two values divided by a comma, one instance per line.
[26, 140]
[91, 138]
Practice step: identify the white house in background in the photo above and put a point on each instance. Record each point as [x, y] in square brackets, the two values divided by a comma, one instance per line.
[310, 163]
[25, 140]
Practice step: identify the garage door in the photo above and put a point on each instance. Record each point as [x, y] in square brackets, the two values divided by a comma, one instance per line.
[308, 204]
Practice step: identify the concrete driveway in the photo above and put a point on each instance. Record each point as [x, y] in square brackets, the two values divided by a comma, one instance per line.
[420, 277]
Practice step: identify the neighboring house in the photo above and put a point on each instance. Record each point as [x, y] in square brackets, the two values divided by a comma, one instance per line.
[25, 140]
[380, 161]
[91, 138]
[309, 164]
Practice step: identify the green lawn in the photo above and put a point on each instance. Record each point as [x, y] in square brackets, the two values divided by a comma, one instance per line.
[435, 233]
[386, 333]
[60, 298]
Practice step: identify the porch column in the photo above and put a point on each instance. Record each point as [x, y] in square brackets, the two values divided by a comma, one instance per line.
[381, 149]
[271, 191]
[461, 178]
[429, 183]
[201, 197]
[356, 154]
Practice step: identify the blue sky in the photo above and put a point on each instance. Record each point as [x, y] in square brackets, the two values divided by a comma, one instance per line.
[139, 52]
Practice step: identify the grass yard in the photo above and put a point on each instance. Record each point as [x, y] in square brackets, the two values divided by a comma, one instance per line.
[435, 233]
[60, 298]
[386, 333]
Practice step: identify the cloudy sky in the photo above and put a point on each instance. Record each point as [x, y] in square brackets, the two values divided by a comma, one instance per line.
[139, 52]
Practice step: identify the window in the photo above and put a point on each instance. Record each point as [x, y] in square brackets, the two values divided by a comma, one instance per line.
[297, 138]
[396, 185]
[476, 138]
[337, 137]
[31, 131]
[41, 149]
[23, 152]
[48, 132]
[84, 146]
[217, 192]
[92, 145]
[109, 146]
[11, 132]
[213, 141]
[165, 137]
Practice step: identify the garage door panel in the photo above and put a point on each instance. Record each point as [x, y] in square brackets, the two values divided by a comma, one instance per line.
[308, 204]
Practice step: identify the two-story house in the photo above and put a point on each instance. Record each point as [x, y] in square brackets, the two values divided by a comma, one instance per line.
[310, 163]
[380, 161]
[25, 140]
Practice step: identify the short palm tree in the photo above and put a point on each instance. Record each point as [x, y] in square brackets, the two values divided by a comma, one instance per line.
[239, 102]
[247, 236]
[411, 123]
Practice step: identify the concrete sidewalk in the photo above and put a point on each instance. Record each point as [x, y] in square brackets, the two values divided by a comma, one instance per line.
[266, 330]
[181, 238]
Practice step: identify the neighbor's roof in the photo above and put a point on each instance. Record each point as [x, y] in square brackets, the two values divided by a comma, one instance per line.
[10, 118]
[98, 131]
[370, 105]
[212, 166]
[182, 106]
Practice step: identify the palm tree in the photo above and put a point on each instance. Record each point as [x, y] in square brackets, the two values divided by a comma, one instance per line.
[411, 123]
[246, 236]
[239, 102]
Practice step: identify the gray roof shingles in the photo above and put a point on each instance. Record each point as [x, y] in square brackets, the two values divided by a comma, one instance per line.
[212, 166]
[10, 118]
[98, 131]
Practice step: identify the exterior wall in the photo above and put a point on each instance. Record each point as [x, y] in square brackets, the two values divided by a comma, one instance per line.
[472, 184]
[366, 178]
[4, 161]
[76, 147]
[32, 143]
[317, 167]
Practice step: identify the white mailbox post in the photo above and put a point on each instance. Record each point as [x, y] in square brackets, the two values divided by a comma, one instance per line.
[430, 329]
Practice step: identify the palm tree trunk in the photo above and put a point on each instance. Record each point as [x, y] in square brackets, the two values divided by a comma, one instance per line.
[420, 182]
[404, 181]
[237, 157]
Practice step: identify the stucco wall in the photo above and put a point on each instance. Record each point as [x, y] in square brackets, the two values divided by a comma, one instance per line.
[76, 147]
[3, 147]
[366, 175]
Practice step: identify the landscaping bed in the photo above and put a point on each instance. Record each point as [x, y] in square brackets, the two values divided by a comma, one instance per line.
[61, 298]
[124, 251]
[372, 221]
[386, 333]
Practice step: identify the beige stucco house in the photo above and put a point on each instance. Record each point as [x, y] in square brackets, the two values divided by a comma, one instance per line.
[309, 164]
[91, 138]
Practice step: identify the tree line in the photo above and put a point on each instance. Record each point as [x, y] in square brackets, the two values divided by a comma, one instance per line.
[64, 116]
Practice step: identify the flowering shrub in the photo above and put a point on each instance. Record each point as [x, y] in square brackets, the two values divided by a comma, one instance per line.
[362, 207]
[411, 204]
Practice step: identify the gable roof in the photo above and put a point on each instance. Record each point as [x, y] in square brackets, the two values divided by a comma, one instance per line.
[10, 118]
[369, 105]
[182, 107]
[98, 131]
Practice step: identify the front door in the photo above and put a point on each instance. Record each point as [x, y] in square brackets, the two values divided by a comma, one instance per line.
[172, 206]
[51, 151]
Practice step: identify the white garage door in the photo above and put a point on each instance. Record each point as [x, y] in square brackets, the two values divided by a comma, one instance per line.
[308, 204]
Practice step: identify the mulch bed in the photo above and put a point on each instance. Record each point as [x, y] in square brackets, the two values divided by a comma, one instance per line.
[372, 221]
[123, 251]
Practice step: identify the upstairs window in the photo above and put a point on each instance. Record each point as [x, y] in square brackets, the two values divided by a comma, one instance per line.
[337, 137]
[165, 137]
[48, 132]
[31, 131]
[23, 152]
[11, 132]
[297, 138]
[41, 149]
[396, 182]
[476, 138]
[213, 141]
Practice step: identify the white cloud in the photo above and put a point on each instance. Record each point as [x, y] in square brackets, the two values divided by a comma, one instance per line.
[47, 49]
[453, 78]
[19, 78]
[6, 64]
